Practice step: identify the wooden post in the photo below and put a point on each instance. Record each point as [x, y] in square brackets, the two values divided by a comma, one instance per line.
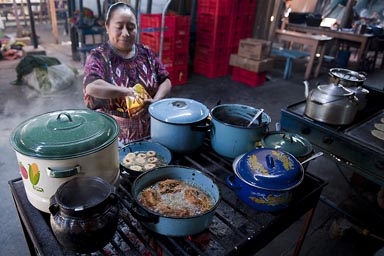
[15, 12]
[273, 24]
[52, 10]
[24, 16]
[32, 21]
[348, 12]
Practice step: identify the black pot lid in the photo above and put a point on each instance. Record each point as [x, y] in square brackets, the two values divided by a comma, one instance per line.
[91, 196]
[292, 143]
[178, 111]
[64, 134]
[267, 168]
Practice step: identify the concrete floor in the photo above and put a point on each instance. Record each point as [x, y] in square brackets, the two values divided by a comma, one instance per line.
[19, 103]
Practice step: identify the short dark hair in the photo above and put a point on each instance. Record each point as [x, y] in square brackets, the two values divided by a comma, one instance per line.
[113, 7]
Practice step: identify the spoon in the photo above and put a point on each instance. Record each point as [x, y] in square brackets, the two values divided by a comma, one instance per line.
[255, 117]
[312, 157]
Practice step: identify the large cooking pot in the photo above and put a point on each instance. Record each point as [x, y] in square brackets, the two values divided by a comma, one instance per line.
[54, 147]
[353, 81]
[265, 178]
[179, 124]
[346, 77]
[86, 222]
[331, 103]
[175, 226]
[230, 134]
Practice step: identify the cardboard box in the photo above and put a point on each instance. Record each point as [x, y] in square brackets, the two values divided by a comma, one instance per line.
[256, 49]
[250, 64]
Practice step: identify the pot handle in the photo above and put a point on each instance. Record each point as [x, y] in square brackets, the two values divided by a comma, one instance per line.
[141, 214]
[63, 172]
[53, 206]
[200, 126]
[231, 182]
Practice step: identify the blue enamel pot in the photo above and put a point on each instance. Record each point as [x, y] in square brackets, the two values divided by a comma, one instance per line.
[179, 124]
[230, 134]
[264, 178]
[175, 226]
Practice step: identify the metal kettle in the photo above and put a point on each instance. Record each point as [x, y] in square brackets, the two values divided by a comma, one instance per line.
[331, 103]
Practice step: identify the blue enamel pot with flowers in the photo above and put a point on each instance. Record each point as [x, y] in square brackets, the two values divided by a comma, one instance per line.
[264, 178]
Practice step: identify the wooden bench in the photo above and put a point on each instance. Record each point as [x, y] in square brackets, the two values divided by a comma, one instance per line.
[290, 55]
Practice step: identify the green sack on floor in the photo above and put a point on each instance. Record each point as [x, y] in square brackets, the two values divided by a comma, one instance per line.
[29, 62]
[50, 79]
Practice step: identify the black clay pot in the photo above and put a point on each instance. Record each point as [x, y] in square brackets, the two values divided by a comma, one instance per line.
[84, 214]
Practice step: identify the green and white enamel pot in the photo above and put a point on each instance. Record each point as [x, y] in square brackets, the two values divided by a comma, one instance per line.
[55, 147]
[264, 178]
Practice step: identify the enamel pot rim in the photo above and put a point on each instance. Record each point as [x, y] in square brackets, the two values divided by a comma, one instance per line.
[284, 174]
[64, 134]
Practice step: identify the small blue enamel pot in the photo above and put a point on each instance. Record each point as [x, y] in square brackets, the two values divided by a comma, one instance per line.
[264, 178]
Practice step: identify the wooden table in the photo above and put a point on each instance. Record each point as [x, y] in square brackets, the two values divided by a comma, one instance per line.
[362, 39]
[316, 42]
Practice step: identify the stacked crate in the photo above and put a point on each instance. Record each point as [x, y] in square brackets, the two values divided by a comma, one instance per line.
[220, 26]
[175, 50]
[251, 62]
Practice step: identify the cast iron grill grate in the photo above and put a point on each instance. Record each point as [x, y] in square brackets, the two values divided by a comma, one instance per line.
[235, 229]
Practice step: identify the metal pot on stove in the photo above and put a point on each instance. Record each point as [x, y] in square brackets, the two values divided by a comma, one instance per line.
[353, 81]
[331, 103]
[346, 77]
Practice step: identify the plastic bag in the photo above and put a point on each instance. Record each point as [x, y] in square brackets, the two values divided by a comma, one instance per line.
[136, 102]
[50, 79]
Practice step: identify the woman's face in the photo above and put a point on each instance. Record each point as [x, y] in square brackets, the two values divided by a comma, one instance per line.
[122, 30]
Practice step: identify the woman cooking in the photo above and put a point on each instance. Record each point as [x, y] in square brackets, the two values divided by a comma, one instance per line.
[121, 77]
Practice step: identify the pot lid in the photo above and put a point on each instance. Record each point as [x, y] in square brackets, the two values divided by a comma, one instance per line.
[178, 111]
[64, 134]
[269, 169]
[335, 90]
[289, 142]
[92, 195]
[346, 74]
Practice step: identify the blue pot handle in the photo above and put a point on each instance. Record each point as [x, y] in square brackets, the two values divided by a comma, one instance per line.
[141, 214]
[231, 182]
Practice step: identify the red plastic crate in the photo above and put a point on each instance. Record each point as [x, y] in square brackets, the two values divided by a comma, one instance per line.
[248, 77]
[244, 7]
[214, 7]
[153, 42]
[212, 39]
[182, 43]
[210, 70]
[151, 23]
[212, 54]
[178, 74]
[213, 23]
[182, 25]
[236, 35]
